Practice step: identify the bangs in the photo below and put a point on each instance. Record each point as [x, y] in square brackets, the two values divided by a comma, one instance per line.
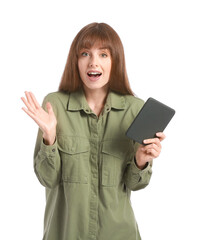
[94, 37]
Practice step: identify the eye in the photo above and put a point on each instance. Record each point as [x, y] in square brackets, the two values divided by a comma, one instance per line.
[85, 54]
[104, 55]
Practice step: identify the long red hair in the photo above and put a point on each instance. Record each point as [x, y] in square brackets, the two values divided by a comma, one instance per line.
[105, 36]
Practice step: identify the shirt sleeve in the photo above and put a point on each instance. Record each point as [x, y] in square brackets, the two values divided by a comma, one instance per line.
[47, 163]
[135, 178]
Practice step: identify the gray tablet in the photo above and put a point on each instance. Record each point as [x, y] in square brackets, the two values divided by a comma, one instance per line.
[152, 118]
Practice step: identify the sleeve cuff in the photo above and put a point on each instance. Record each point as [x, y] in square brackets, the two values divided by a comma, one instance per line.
[49, 149]
[137, 170]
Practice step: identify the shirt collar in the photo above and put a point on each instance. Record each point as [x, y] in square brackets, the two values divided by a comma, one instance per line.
[77, 101]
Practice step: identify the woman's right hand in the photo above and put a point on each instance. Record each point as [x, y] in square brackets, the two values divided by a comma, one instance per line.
[45, 120]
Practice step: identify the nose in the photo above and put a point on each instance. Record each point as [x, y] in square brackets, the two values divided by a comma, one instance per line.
[93, 61]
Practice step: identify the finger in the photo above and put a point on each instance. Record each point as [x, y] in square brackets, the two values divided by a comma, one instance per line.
[29, 99]
[27, 105]
[153, 153]
[49, 108]
[152, 146]
[37, 105]
[153, 140]
[161, 136]
[34, 117]
[30, 114]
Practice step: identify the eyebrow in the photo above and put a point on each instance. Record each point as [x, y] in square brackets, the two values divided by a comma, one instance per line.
[101, 48]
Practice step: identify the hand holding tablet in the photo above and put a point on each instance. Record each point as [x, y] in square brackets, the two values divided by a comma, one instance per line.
[152, 118]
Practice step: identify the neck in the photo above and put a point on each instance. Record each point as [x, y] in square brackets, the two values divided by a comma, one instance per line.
[96, 98]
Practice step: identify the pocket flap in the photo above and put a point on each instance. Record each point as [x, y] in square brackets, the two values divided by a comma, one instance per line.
[73, 145]
[116, 148]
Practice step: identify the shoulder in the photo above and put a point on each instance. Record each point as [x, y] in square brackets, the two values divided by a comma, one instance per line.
[133, 103]
[57, 99]
[133, 100]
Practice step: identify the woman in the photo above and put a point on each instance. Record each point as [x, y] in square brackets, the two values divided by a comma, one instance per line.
[82, 155]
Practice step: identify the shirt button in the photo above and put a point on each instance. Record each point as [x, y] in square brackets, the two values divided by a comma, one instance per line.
[53, 150]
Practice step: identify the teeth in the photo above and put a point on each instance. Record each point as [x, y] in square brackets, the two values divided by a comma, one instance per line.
[94, 73]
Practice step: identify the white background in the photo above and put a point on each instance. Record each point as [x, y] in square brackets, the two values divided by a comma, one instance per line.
[160, 39]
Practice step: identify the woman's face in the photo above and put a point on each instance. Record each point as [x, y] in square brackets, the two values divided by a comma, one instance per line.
[94, 66]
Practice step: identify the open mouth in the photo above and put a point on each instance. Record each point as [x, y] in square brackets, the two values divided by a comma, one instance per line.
[94, 74]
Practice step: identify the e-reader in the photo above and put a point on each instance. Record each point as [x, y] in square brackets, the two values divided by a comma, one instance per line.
[152, 118]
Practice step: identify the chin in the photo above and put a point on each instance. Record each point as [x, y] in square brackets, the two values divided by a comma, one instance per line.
[91, 87]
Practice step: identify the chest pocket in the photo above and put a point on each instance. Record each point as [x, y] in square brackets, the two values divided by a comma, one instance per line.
[114, 159]
[74, 154]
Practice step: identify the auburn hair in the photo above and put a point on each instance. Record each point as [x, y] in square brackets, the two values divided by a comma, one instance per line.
[102, 35]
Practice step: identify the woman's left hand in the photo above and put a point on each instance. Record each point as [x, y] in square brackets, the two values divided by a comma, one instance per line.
[146, 153]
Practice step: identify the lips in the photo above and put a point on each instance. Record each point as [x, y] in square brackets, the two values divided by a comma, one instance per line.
[94, 75]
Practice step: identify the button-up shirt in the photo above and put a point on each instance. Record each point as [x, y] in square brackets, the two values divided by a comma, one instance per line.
[89, 172]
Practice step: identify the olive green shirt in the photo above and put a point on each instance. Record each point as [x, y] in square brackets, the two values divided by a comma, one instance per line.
[90, 171]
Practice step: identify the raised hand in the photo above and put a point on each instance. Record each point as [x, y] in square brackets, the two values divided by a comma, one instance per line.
[45, 120]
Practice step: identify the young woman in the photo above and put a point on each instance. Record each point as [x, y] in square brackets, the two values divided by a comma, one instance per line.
[82, 155]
